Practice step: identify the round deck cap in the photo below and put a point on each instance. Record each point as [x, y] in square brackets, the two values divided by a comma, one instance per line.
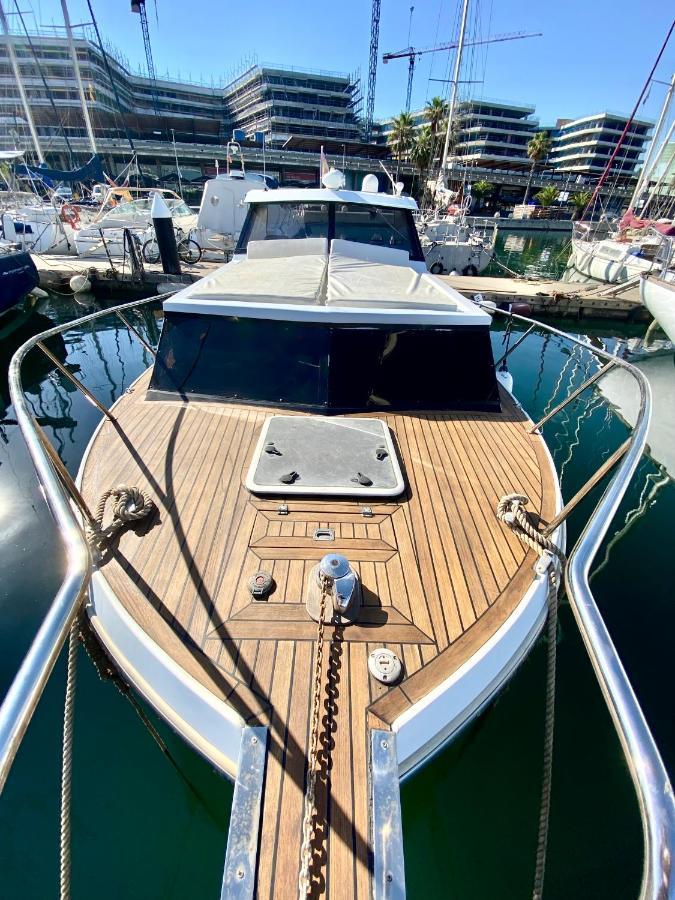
[384, 665]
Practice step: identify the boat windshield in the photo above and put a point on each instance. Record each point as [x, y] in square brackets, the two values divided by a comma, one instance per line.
[284, 221]
[380, 226]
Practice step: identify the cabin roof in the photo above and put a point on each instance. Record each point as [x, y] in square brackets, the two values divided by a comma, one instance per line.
[323, 195]
[287, 282]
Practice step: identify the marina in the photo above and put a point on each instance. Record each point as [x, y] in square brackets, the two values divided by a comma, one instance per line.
[327, 500]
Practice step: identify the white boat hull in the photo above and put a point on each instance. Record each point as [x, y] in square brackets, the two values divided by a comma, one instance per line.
[609, 261]
[658, 295]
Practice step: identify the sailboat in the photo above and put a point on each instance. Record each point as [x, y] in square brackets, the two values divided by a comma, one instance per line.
[451, 244]
[636, 245]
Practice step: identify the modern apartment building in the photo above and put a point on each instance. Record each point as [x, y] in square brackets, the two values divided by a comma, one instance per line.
[584, 146]
[488, 133]
[279, 102]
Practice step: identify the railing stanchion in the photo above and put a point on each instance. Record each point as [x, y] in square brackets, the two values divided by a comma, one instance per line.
[78, 384]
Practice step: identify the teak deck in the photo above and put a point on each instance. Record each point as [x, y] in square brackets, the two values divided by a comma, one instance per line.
[440, 574]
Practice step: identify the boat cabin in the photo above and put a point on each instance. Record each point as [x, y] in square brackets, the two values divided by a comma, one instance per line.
[327, 307]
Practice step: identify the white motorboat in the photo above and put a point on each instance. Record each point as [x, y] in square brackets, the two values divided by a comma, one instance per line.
[328, 575]
[128, 208]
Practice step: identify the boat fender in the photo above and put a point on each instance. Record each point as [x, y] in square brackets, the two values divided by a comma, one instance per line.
[70, 215]
[521, 309]
[79, 283]
[470, 270]
[436, 268]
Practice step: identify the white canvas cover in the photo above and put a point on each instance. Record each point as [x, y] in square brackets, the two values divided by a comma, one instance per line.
[274, 249]
[357, 282]
[295, 279]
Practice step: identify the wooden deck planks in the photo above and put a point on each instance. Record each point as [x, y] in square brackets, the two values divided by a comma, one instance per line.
[439, 576]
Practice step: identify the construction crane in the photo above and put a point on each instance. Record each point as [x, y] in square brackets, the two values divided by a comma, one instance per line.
[372, 66]
[413, 54]
[138, 6]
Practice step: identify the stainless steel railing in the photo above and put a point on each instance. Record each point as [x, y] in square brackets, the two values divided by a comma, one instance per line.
[23, 696]
[649, 775]
[650, 779]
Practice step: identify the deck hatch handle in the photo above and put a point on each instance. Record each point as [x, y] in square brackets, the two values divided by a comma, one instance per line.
[324, 534]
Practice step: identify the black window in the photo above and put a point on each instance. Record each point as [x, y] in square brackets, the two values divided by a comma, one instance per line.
[381, 226]
[325, 368]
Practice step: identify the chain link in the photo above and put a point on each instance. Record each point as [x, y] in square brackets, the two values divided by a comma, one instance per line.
[304, 882]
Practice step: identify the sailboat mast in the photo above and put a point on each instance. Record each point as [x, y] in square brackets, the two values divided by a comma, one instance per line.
[623, 134]
[455, 84]
[19, 84]
[648, 163]
[78, 78]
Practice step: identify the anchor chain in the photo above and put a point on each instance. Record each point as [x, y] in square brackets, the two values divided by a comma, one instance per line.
[304, 881]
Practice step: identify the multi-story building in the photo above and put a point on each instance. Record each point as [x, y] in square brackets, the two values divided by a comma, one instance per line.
[294, 109]
[584, 146]
[488, 132]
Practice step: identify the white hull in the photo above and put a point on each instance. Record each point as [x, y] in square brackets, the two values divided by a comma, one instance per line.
[609, 261]
[659, 298]
[457, 257]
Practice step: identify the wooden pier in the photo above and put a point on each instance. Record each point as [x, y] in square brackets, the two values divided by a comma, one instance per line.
[556, 298]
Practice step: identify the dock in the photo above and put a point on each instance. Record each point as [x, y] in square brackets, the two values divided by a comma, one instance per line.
[56, 270]
[544, 297]
[557, 298]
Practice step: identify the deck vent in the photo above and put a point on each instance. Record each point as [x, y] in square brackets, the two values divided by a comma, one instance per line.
[327, 456]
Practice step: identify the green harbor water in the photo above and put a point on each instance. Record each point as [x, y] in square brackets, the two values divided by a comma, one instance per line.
[145, 826]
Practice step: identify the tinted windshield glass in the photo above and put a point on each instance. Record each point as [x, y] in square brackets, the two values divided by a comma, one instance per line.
[378, 225]
[276, 221]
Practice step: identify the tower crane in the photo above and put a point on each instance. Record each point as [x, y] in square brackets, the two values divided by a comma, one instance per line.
[138, 6]
[372, 66]
[413, 54]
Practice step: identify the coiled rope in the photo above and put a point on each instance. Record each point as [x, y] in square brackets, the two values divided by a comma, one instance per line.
[511, 511]
[130, 505]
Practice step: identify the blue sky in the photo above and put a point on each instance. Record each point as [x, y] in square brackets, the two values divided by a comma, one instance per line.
[594, 55]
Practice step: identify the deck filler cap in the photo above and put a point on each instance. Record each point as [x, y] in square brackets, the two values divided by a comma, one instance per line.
[384, 665]
[325, 455]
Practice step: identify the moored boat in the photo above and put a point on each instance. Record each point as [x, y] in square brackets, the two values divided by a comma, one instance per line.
[658, 295]
[324, 435]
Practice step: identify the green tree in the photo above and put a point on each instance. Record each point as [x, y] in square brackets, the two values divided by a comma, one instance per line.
[580, 201]
[538, 148]
[482, 189]
[435, 112]
[401, 136]
[548, 195]
[421, 152]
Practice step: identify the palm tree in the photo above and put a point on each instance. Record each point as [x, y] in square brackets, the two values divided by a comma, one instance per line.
[435, 113]
[482, 189]
[422, 149]
[401, 136]
[547, 196]
[580, 201]
[537, 148]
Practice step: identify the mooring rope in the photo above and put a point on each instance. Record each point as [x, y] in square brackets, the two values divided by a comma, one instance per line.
[130, 505]
[67, 761]
[511, 511]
